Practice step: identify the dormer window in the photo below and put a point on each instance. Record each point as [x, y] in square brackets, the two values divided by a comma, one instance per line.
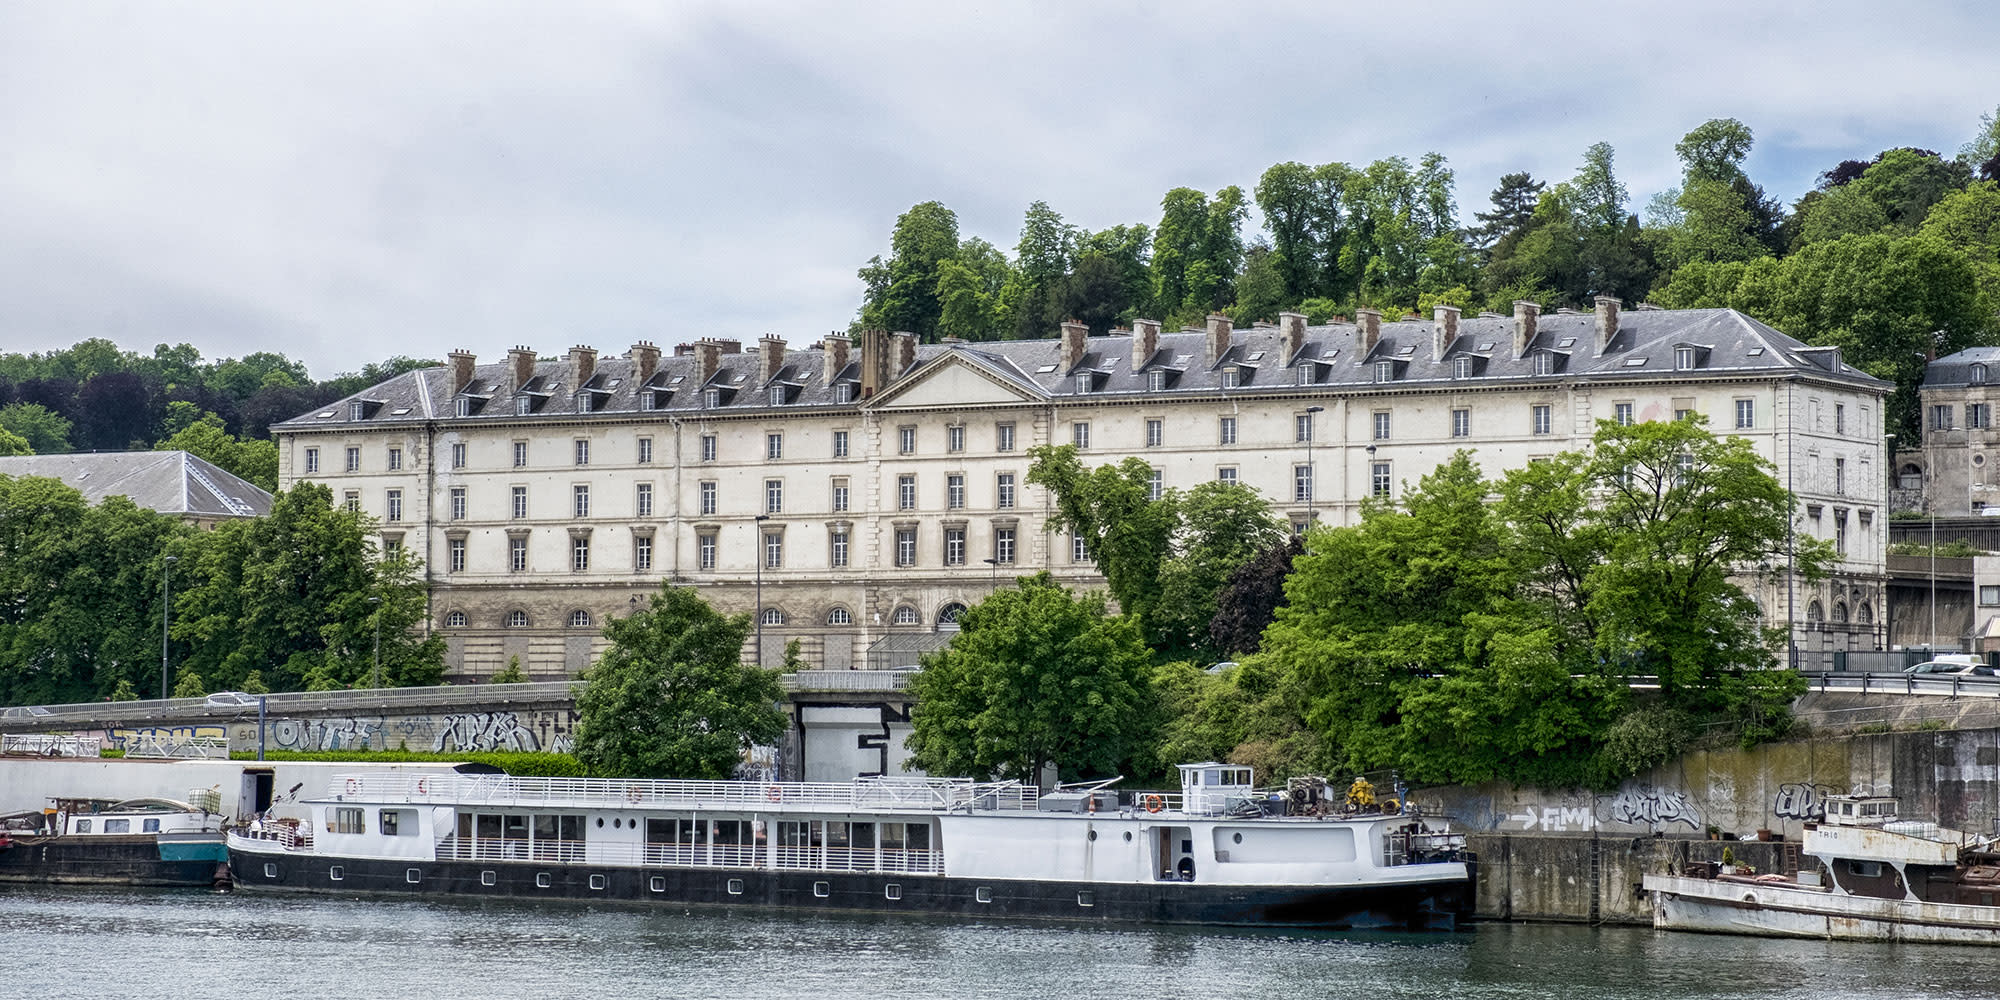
[777, 395]
[524, 405]
[357, 410]
[583, 401]
[1308, 373]
[1231, 378]
[463, 406]
[648, 400]
[1545, 363]
[1083, 381]
[1461, 367]
[1156, 380]
[711, 398]
[843, 392]
[1684, 359]
[1977, 375]
[1385, 371]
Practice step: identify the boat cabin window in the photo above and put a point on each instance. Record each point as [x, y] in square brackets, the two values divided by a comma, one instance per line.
[151, 826]
[390, 820]
[83, 826]
[1865, 869]
[117, 826]
[346, 819]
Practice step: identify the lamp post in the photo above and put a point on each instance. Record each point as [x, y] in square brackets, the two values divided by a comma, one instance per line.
[375, 605]
[166, 609]
[1312, 474]
[758, 649]
[995, 563]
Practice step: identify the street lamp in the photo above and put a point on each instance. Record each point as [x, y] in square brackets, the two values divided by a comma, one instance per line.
[1312, 474]
[166, 609]
[758, 649]
[995, 563]
[375, 604]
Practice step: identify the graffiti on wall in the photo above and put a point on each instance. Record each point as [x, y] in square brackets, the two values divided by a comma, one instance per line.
[125, 739]
[1802, 800]
[463, 731]
[1648, 806]
[454, 732]
[348, 733]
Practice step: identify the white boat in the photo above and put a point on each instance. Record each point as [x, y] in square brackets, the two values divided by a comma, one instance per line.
[1217, 853]
[1873, 877]
[149, 841]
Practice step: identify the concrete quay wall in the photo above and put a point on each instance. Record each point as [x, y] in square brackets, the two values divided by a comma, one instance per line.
[1593, 879]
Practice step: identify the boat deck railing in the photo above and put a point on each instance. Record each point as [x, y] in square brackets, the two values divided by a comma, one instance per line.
[812, 858]
[873, 794]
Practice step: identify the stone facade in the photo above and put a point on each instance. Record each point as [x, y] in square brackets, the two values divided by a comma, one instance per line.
[873, 490]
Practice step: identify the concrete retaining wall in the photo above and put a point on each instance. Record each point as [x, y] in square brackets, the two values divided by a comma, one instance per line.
[1581, 878]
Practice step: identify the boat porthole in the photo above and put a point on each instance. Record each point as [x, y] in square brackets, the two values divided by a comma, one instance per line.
[1128, 836]
[1093, 834]
[270, 871]
[600, 822]
[1239, 838]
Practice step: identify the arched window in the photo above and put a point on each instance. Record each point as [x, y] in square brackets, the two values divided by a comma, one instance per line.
[579, 619]
[1977, 376]
[907, 615]
[839, 616]
[948, 615]
[1839, 611]
[517, 619]
[455, 619]
[1865, 614]
[773, 616]
[1815, 613]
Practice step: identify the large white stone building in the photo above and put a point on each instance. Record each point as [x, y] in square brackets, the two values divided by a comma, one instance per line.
[873, 490]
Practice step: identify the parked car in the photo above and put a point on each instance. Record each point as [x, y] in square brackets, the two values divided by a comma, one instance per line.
[24, 712]
[1964, 664]
[231, 699]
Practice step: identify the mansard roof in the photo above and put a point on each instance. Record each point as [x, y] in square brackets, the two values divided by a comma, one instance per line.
[1956, 369]
[1729, 345]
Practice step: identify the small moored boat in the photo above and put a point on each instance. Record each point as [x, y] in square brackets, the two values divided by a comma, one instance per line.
[1217, 853]
[149, 841]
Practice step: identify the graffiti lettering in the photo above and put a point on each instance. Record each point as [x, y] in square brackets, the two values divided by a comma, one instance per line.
[1654, 807]
[328, 734]
[485, 731]
[124, 739]
[1556, 819]
[1801, 800]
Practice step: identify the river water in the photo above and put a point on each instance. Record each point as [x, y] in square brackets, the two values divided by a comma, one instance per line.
[167, 945]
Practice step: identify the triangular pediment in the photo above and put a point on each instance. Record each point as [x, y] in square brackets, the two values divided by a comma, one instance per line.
[953, 380]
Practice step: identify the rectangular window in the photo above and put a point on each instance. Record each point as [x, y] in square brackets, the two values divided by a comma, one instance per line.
[393, 510]
[706, 502]
[774, 550]
[774, 496]
[390, 547]
[954, 491]
[1378, 483]
[579, 553]
[1746, 414]
[1079, 435]
[1382, 425]
[520, 503]
[642, 505]
[906, 440]
[1003, 546]
[1079, 552]
[395, 459]
[1544, 418]
[837, 558]
[1156, 432]
[1461, 423]
[1840, 532]
[1004, 491]
[1621, 414]
[517, 555]
[1839, 418]
[354, 460]
[774, 446]
[1840, 477]
[456, 549]
[840, 444]
[954, 546]
[458, 455]
[1941, 417]
[351, 499]
[1302, 427]
[642, 552]
[1003, 437]
[458, 503]
[840, 494]
[1302, 483]
[1225, 431]
[645, 451]
[708, 447]
[906, 493]
[312, 460]
[954, 438]
[1156, 485]
[1977, 415]
[705, 550]
[1226, 474]
[583, 451]
[906, 546]
[1989, 595]
[1683, 415]
[582, 496]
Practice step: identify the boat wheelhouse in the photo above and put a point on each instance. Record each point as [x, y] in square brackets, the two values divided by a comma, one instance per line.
[149, 841]
[1219, 852]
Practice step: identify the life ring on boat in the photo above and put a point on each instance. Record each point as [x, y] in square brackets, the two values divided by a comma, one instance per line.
[422, 787]
[353, 786]
[1154, 803]
[1091, 803]
[633, 794]
[774, 793]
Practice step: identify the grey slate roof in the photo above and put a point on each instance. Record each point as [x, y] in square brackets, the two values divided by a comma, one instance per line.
[1728, 343]
[1956, 369]
[171, 482]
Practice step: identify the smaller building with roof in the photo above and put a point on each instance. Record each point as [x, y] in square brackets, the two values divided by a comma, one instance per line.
[171, 482]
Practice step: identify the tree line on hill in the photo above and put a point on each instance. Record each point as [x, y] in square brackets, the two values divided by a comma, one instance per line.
[1894, 259]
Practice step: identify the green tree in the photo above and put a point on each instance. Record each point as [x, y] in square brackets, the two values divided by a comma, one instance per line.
[46, 432]
[13, 444]
[511, 675]
[905, 295]
[672, 697]
[254, 461]
[971, 292]
[1035, 676]
[188, 684]
[1042, 259]
[1514, 204]
[124, 691]
[1248, 605]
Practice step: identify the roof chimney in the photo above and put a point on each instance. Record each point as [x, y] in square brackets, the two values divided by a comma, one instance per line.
[1218, 337]
[770, 359]
[582, 365]
[707, 360]
[1367, 331]
[1607, 321]
[1075, 336]
[903, 355]
[521, 364]
[1291, 336]
[1444, 330]
[1145, 341]
[836, 347]
[1526, 315]
[874, 361]
[645, 361]
[462, 363]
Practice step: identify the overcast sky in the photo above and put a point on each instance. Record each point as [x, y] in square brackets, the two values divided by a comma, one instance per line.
[345, 182]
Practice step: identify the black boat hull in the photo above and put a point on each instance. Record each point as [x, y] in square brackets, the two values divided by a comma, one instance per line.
[106, 860]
